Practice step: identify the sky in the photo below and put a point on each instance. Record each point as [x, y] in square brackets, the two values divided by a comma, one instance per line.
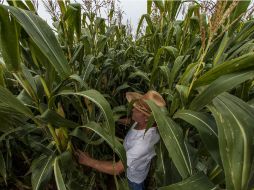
[133, 10]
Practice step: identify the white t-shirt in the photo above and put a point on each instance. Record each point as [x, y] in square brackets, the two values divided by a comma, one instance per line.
[139, 147]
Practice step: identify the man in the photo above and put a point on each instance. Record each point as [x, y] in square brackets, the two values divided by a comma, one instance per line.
[139, 146]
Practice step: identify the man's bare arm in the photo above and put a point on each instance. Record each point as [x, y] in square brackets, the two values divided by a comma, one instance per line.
[108, 167]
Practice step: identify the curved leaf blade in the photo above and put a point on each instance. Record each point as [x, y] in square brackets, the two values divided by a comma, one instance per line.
[172, 137]
[44, 38]
[119, 149]
[222, 84]
[9, 43]
[3, 167]
[198, 181]
[206, 128]
[58, 176]
[235, 65]
[101, 102]
[9, 99]
[41, 172]
[235, 120]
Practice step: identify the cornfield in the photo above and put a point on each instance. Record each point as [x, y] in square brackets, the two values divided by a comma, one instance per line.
[64, 88]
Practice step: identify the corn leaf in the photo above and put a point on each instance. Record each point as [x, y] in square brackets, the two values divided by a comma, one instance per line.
[113, 143]
[43, 37]
[206, 128]
[42, 169]
[222, 84]
[58, 176]
[9, 99]
[57, 120]
[101, 102]
[198, 181]
[9, 42]
[172, 136]
[235, 120]
[3, 172]
[238, 64]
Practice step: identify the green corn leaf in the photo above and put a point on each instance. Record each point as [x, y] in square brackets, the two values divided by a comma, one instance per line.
[58, 176]
[3, 167]
[25, 128]
[30, 5]
[172, 136]
[173, 52]
[222, 84]
[240, 9]
[119, 149]
[206, 128]
[100, 101]
[198, 181]
[42, 169]
[235, 65]
[57, 120]
[159, 5]
[9, 42]
[149, 23]
[149, 6]
[9, 99]
[2, 81]
[235, 120]
[221, 49]
[43, 37]
[179, 62]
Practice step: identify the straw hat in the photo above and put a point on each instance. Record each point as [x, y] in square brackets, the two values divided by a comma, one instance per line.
[139, 100]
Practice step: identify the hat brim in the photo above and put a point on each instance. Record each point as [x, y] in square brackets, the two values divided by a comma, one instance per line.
[136, 98]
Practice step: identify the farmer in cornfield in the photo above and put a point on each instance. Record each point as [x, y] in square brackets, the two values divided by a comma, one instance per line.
[139, 146]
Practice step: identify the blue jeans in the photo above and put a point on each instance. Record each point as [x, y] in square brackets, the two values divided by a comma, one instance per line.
[136, 186]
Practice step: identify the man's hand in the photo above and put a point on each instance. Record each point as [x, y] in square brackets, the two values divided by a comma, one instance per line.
[84, 158]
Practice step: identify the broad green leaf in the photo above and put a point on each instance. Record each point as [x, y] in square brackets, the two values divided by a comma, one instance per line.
[3, 167]
[101, 102]
[10, 118]
[25, 128]
[159, 5]
[238, 12]
[42, 169]
[172, 51]
[9, 42]
[149, 6]
[9, 99]
[235, 120]
[43, 37]
[141, 74]
[73, 16]
[172, 136]
[188, 74]
[222, 84]
[18, 4]
[80, 134]
[30, 5]
[119, 149]
[245, 33]
[206, 128]
[57, 120]
[221, 49]
[235, 65]
[2, 81]
[149, 23]
[198, 181]
[58, 176]
[179, 61]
